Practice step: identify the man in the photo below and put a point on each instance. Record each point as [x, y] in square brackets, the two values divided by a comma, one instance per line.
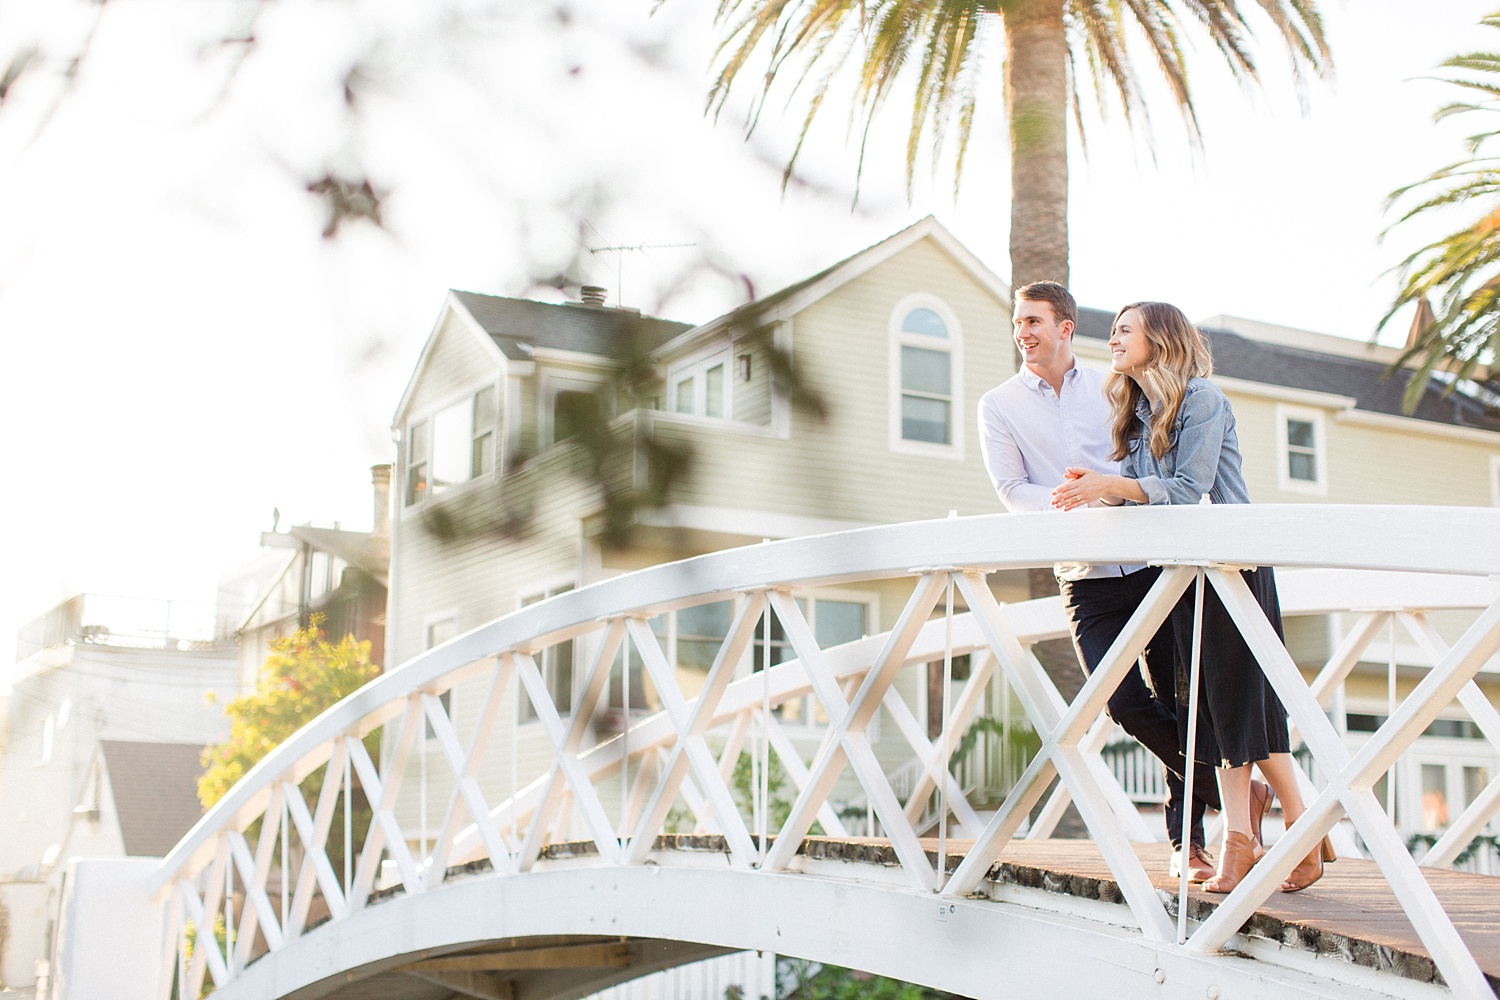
[1053, 414]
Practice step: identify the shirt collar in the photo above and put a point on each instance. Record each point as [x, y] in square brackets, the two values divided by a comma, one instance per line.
[1036, 383]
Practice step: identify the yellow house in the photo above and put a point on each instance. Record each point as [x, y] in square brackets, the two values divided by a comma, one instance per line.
[495, 506]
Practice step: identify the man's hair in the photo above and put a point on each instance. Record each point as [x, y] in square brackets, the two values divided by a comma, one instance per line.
[1061, 300]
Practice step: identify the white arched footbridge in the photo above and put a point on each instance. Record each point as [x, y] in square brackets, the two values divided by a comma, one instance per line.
[625, 846]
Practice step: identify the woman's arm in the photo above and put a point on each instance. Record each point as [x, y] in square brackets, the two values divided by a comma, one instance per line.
[1085, 486]
[1204, 420]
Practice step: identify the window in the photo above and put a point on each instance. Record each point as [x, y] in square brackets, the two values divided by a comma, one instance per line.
[691, 638]
[926, 378]
[555, 663]
[1302, 454]
[702, 388]
[834, 622]
[572, 410]
[453, 446]
[438, 631]
[567, 402]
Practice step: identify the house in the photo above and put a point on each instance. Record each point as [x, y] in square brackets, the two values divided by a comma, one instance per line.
[896, 342]
[336, 574]
[91, 673]
[496, 509]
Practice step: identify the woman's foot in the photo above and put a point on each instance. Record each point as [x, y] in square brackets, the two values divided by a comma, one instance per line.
[1241, 852]
[1261, 798]
[1310, 868]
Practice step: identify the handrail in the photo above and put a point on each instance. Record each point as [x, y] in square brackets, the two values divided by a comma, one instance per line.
[669, 754]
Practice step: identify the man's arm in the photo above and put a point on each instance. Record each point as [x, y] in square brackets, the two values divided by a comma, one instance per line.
[1007, 469]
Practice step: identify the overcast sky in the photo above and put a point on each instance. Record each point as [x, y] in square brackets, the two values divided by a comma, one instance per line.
[182, 352]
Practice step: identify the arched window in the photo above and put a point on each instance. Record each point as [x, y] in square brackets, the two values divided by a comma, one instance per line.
[926, 379]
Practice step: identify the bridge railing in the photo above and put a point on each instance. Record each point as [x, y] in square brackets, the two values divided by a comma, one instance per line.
[262, 868]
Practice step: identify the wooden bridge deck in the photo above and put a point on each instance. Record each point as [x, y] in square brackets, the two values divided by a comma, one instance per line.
[1351, 912]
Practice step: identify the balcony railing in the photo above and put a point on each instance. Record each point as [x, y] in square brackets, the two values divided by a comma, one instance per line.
[100, 619]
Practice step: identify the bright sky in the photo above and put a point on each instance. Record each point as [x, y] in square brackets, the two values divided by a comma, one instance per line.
[180, 352]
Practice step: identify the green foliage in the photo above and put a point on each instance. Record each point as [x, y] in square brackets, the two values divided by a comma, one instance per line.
[304, 675]
[809, 44]
[803, 980]
[629, 467]
[778, 795]
[1459, 271]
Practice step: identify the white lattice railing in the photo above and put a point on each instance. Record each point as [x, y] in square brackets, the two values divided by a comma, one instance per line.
[260, 867]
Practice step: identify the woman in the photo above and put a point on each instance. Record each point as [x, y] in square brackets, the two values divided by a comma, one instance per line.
[1174, 436]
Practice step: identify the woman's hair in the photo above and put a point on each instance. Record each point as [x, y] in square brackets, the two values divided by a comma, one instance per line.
[1178, 353]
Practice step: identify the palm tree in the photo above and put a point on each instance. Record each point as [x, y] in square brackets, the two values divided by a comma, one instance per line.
[1462, 269]
[1049, 44]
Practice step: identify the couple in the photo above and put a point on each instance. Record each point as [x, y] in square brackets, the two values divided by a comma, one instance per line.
[1058, 435]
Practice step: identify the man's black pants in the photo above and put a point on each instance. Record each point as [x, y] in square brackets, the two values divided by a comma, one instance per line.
[1098, 609]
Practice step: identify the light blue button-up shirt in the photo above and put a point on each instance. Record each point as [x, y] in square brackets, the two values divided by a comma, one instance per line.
[1030, 435]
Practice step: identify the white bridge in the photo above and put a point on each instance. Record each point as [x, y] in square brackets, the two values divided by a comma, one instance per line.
[558, 885]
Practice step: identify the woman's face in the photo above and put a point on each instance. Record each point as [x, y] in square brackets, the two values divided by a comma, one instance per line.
[1129, 350]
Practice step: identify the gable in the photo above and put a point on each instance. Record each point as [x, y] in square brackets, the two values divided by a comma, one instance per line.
[457, 358]
[797, 297]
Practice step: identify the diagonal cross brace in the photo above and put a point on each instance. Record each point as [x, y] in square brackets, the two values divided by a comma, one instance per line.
[1058, 729]
[467, 794]
[567, 774]
[846, 741]
[1349, 788]
[691, 723]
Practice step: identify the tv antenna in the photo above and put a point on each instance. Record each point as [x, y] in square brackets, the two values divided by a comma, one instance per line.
[622, 250]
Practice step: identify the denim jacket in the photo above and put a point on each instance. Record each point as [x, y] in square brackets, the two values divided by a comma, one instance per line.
[1204, 456]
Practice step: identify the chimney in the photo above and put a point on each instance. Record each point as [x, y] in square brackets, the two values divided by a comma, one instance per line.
[380, 476]
[593, 295]
[1419, 323]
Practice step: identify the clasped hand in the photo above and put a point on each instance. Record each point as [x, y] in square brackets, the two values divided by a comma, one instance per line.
[1082, 487]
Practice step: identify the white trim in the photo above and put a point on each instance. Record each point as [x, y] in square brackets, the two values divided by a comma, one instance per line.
[754, 524]
[548, 386]
[696, 367]
[1318, 485]
[436, 617]
[1411, 425]
[953, 346]
[1285, 394]
[451, 305]
[714, 423]
[853, 267]
[580, 358]
[500, 440]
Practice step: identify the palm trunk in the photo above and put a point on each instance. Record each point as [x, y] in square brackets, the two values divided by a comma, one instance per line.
[1036, 98]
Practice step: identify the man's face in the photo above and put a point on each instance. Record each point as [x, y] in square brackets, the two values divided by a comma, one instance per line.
[1042, 338]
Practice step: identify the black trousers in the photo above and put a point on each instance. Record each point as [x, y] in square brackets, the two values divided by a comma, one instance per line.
[1240, 718]
[1098, 609]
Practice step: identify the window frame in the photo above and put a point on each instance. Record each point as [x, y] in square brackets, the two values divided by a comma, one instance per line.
[546, 659]
[807, 724]
[953, 346]
[1318, 486]
[427, 421]
[553, 384]
[697, 366]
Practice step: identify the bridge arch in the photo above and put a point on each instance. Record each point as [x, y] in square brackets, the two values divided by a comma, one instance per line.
[937, 912]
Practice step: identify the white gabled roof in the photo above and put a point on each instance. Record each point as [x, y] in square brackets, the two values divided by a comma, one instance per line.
[796, 297]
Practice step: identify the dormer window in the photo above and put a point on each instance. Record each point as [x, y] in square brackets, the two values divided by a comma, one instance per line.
[926, 378]
[453, 446]
[701, 387]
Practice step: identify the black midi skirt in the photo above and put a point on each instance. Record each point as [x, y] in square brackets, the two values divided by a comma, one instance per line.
[1240, 718]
